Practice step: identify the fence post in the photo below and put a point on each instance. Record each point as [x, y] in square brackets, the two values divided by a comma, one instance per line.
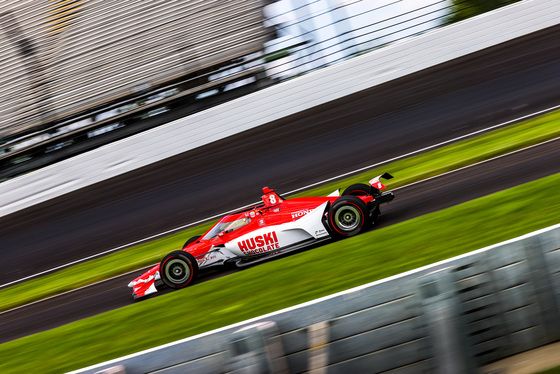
[540, 277]
[440, 310]
[318, 347]
[256, 349]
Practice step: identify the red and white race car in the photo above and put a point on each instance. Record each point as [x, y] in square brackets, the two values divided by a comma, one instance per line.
[274, 227]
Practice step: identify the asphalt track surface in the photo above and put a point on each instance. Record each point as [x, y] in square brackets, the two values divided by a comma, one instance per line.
[411, 201]
[435, 105]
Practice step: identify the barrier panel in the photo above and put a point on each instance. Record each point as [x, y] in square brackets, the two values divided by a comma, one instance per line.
[454, 316]
[278, 101]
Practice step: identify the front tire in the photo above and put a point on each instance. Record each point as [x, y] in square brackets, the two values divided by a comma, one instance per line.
[191, 240]
[178, 269]
[347, 216]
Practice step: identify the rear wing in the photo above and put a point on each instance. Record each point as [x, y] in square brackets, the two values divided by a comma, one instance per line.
[376, 182]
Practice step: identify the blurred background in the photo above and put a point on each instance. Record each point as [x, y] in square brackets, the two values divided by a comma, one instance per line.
[78, 74]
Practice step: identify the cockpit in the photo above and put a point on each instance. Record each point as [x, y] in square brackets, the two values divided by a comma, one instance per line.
[227, 227]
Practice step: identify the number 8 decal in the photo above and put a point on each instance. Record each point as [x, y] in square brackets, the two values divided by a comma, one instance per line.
[272, 199]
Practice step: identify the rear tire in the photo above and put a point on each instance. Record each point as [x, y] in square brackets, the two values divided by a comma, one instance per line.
[361, 189]
[348, 216]
[358, 189]
[178, 269]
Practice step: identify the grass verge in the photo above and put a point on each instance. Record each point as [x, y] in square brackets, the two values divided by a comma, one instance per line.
[298, 278]
[408, 170]
[555, 370]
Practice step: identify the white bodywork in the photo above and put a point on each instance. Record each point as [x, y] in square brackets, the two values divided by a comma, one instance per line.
[270, 238]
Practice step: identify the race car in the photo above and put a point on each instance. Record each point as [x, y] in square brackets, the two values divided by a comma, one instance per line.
[272, 228]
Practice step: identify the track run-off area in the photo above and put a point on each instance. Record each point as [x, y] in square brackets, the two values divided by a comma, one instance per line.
[299, 189]
[414, 199]
[532, 153]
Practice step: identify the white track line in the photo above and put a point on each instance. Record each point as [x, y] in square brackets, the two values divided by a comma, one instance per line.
[70, 291]
[394, 189]
[478, 163]
[286, 193]
[426, 149]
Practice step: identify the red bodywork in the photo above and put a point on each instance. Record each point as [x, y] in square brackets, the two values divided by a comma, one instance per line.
[227, 234]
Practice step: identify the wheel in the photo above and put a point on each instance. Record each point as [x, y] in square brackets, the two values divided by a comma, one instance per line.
[361, 189]
[347, 216]
[358, 189]
[178, 269]
[191, 240]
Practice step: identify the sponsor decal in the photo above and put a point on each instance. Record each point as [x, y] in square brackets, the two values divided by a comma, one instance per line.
[259, 244]
[300, 213]
[207, 258]
[149, 279]
[253, 213]
[320, 232]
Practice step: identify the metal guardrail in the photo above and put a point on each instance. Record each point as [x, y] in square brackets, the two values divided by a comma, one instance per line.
[451, 317]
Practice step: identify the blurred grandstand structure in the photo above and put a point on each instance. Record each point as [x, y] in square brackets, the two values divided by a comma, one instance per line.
[70, 64]
[77, 74]
[70, 56]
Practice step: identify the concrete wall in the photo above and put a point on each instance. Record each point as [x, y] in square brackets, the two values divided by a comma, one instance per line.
[450, 317]
[278, 101]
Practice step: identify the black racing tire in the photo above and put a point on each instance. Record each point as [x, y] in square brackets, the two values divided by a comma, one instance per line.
[361, 189]
[191, 240]
[178, 269]
[358, 189]
[348, 216]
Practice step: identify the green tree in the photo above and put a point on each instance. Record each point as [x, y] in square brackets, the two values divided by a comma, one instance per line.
[463, 9]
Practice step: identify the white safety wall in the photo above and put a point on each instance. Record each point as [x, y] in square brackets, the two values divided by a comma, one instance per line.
[278, 101]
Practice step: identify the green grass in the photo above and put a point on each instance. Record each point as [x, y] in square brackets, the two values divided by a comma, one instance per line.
[405, 171]
[297, 278]
[555, 370]
[95, 270]
[459, 154]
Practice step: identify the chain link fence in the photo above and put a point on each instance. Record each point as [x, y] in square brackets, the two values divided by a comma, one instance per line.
[86, 73]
